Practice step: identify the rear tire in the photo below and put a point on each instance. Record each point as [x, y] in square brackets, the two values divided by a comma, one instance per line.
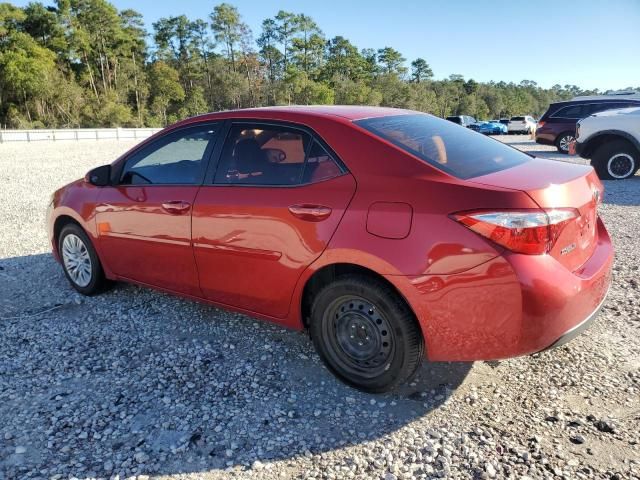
[80, 261]
[616, 160]
[366, 334]
[563, 141]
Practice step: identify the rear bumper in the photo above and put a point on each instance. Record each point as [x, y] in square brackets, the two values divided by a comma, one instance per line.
[577, 329]
[510, 306]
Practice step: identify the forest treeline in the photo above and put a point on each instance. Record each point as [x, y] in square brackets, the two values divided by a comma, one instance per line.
[84, 63]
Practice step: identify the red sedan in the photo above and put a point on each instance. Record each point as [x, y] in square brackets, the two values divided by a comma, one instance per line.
[390, 234]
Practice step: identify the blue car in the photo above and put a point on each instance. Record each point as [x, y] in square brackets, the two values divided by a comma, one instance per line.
[492, 127]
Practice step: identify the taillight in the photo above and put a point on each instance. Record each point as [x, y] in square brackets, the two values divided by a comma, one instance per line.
[532, 232]
[541, 124]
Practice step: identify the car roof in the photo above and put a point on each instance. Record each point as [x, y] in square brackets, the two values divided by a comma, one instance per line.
[599, 99]
[610, 96]
[345, 112]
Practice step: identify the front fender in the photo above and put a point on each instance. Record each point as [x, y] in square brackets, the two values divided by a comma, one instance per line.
[76, 201]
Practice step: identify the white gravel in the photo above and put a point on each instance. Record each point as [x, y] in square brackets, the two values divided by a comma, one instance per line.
[137, 383]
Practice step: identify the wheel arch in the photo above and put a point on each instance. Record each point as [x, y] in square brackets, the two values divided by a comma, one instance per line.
[62, 221]
[67, 217]
[600, 138]
[329, 273]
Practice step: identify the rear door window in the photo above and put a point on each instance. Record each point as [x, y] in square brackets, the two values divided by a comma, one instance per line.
[570, 111]
[261, 154]
[320, 165]
[457, 151]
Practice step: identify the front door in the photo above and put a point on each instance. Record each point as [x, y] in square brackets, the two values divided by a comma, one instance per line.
[144, 221]
[276, 200]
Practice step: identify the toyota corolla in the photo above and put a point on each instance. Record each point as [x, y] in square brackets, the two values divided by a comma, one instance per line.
[390, 235]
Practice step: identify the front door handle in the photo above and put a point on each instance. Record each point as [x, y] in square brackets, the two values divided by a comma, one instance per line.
[176, 207]
[310, 213]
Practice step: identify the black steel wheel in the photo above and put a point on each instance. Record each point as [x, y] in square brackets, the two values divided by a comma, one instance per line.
[616, 160]
[366, 334]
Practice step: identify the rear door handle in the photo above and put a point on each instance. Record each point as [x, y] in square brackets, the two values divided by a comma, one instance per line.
[176, 207]
[310, 213]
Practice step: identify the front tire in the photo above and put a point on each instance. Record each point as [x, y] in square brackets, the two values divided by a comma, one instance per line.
[563, 141]
[366, 334]
[80, 261]
[616, 160]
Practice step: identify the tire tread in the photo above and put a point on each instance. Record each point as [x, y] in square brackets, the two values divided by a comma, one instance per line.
[99, 283]
[414, 343]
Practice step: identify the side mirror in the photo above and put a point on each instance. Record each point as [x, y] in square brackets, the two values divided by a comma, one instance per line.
[100, 176]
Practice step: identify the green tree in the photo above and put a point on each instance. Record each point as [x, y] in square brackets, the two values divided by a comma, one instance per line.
[286, 27]
[165, 89]
[420, 70]
[26, 71]
[308, 47]
[227, 27]
[343, 59]
[43, 25]
[391, 61]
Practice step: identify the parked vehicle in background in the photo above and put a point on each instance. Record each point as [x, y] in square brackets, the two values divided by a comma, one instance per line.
[257, 211]
[524, 124]
[463, 120]
[504, 121]
[558, 124]
[491, 127]
[611, 139]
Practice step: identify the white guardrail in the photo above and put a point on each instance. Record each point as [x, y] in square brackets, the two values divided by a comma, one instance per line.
[76, 134]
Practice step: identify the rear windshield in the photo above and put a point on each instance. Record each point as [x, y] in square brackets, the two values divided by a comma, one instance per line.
[460, 152]
[517, 119]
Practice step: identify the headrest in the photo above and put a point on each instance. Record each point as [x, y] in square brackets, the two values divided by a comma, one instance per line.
[249, 156]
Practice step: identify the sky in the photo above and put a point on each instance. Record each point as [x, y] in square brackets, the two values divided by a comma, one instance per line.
[588, 43]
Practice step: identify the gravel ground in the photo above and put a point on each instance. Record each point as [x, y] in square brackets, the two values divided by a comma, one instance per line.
[138, 383]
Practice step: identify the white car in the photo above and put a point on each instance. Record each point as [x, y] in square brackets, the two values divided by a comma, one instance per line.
[611, 139]
[524, 124]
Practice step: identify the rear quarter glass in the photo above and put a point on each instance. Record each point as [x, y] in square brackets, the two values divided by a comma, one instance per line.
[553, 108]
[457, 151]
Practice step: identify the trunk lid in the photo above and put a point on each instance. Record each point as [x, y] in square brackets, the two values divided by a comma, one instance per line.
[558, 185]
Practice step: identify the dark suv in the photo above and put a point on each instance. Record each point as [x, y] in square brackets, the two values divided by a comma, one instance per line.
[558, 125]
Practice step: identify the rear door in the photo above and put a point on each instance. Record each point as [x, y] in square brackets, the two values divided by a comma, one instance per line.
[267, 211]
[565, 119]
[144, 220]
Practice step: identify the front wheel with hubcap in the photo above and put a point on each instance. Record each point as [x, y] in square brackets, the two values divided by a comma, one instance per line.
[80, 261]
[616, 160]
[366, 334]
[563, 141]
